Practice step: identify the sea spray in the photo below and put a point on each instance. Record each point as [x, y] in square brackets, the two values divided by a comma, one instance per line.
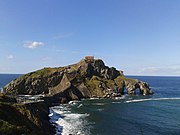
[150, 99]
[67, 122]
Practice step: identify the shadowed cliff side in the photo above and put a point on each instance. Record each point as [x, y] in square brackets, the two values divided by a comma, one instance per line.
[17, 118]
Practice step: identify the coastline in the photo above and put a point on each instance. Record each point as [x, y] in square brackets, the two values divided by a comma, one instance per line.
[162, 96]
[87, 79]
[54, 117]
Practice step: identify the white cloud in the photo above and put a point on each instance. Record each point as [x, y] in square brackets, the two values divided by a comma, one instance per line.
[33, 44]
[10, 56]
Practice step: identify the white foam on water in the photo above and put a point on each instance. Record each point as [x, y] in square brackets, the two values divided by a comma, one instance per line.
[100, 110]
[116, 102]
[68, 123]
[150, 99]
[79, 105]
[73, 102]
[99, 104]
[93, 98]
[72, 123]
[118, 98]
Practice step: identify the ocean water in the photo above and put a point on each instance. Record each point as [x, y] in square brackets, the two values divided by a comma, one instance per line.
[157, 114]
[6, 78]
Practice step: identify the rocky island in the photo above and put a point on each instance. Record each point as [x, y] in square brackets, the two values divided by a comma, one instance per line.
[89, 78]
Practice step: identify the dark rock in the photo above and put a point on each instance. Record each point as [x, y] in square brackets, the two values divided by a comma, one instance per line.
[18, 119]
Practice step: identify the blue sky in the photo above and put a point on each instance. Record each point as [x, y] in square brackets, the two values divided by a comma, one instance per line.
[140, 37]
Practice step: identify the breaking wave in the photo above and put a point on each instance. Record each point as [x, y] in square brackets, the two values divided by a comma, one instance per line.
[150, 99]
[67, 122]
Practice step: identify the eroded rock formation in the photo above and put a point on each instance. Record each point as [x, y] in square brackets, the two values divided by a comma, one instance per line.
[88, 78]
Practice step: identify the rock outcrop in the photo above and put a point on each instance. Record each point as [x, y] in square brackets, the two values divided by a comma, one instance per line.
[86, 79]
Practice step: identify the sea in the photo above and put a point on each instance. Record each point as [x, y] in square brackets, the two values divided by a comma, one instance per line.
[157, 114]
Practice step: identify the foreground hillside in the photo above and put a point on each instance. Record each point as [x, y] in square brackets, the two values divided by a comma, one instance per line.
[88, 78]
[17, 118]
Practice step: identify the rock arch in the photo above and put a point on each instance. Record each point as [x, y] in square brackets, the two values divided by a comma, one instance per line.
[132, 86]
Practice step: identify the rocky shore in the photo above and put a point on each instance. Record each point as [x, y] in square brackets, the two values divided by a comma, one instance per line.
[89, 78]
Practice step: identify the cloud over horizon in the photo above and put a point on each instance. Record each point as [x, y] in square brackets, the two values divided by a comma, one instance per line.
[166, 70]
[32, 44]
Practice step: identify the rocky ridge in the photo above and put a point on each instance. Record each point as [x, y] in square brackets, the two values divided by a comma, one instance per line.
[86, 79]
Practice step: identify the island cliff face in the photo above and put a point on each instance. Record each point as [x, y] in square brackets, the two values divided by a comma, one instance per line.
[88, 78]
